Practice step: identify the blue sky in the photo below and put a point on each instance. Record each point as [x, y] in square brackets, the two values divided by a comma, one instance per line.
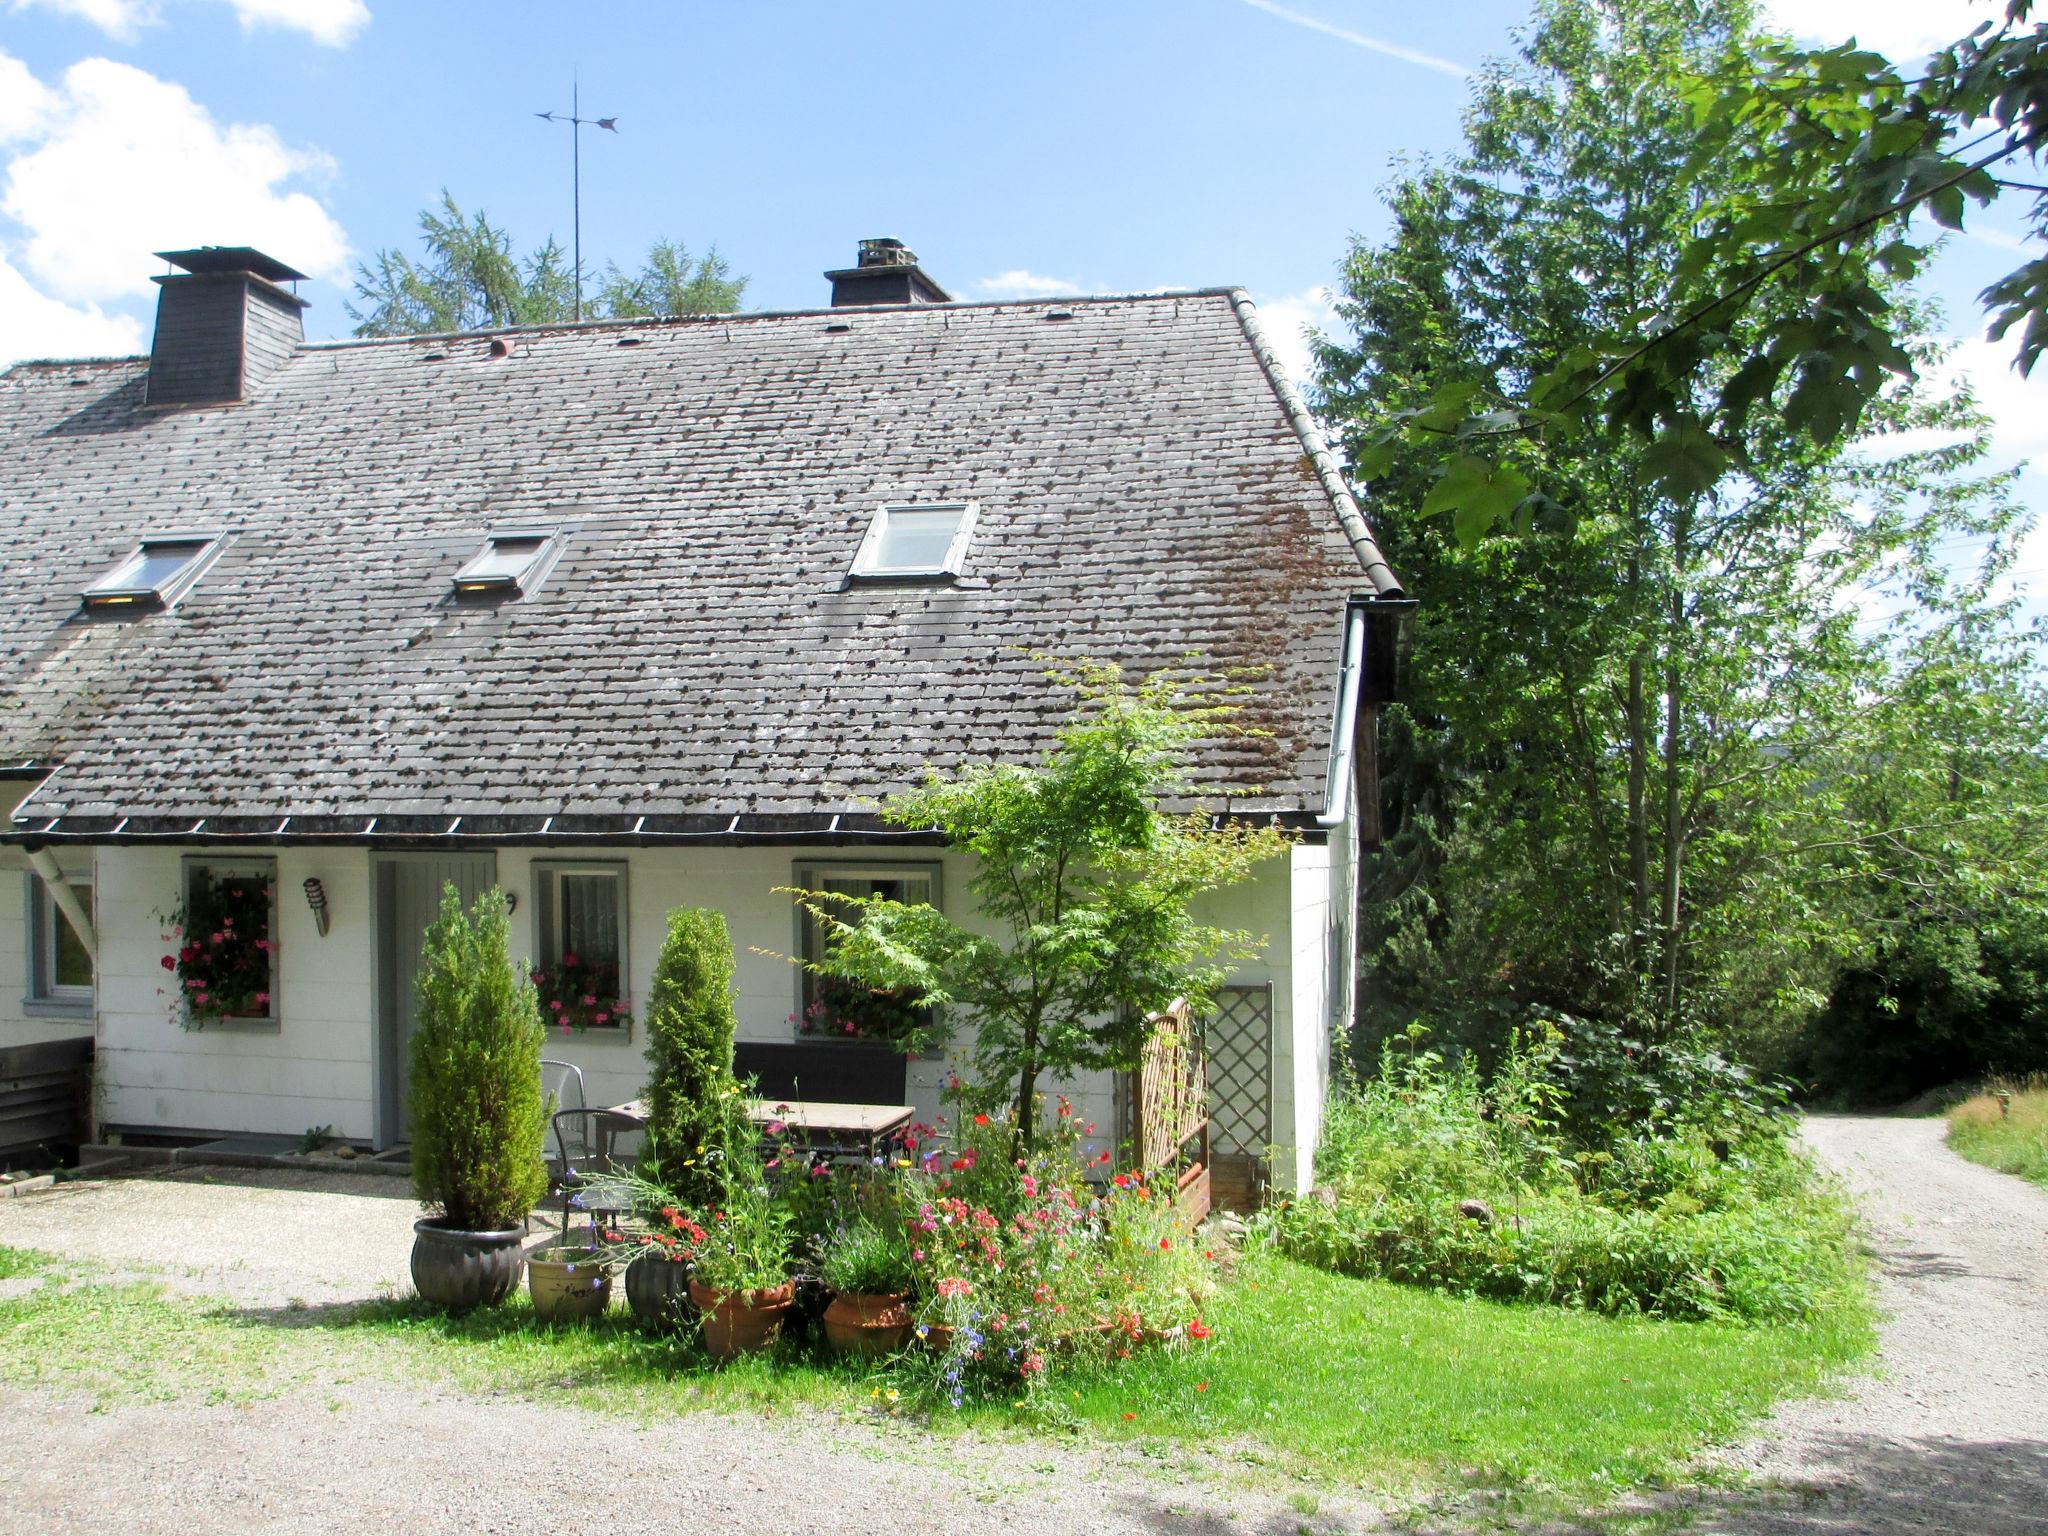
[1056, 147]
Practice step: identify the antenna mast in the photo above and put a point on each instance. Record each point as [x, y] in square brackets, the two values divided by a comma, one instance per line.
[577, 123]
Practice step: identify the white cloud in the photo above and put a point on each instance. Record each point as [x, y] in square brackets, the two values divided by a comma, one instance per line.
[1287, 321]
[329, 22]
[1020, 284]
[34, 325]
[1362, 40]
[25, 102]
[124, 164]
[119, 19]
[1899, 29]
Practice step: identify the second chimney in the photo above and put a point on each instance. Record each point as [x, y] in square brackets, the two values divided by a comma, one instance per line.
[887, 273]
[222, 324]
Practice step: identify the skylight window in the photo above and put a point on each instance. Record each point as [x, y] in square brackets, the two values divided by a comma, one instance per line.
[155, 575]
[509, 565]
[916, 541]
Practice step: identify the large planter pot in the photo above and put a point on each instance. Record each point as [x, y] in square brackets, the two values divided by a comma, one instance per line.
[868, 1325]
[567, 1284]
[740, 1322]
[458, 1270]
[658, 1291]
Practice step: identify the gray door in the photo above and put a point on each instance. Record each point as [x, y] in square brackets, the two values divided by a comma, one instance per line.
[408, 887]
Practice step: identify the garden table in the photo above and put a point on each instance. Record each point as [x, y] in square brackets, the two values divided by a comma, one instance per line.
[813, 1122]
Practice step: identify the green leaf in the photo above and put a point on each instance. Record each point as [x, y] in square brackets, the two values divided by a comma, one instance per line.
[1946, 204]
[1685, 459]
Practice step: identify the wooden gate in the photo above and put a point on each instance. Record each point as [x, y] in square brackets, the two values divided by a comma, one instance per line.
[1170, 1096]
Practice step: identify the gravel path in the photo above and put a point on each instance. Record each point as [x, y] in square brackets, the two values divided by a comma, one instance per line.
[1951, 1435]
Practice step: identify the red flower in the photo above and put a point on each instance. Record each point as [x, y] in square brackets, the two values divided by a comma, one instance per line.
[1201, 1386]
[1199, 1330]
[170, 964]
[981, 1119]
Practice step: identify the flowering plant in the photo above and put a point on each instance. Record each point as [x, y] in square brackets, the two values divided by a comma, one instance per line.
[847, 1010]
[221, 949]
[582, 993]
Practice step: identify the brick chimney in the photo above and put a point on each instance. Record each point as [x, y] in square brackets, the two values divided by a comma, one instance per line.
[887, 273]
[222, 324]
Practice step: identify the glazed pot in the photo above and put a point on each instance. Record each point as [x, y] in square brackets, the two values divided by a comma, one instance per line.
[658, 1291]
[459, 1270]
[868, 1325]
[740, 1322]
[567, 1284]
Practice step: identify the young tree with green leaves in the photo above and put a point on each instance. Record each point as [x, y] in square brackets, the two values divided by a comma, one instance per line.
[471, 277]
[1643, 691]
[694, 1116]
[1084, 891]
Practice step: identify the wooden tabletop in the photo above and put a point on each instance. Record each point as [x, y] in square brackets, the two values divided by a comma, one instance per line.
[865, 1120]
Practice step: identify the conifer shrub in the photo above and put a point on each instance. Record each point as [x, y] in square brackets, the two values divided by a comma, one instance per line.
[695, 1113]
[477, 1113]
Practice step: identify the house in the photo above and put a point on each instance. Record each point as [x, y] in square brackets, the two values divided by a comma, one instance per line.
[626, 615]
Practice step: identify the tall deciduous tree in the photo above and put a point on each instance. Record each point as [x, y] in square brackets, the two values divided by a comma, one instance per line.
[471, 277]
[1083, 890]
[1645, 692]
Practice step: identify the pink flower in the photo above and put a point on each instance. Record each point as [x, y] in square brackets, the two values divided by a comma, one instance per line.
[262, 999]
[953, 1285]
[169, 963]
[199, 997]
[589, 1001]
[556, 1005]
[570, 960]
[602, 1018]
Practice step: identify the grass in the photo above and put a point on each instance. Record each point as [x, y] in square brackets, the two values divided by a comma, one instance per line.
[2012, 1140]
[1312, 1375]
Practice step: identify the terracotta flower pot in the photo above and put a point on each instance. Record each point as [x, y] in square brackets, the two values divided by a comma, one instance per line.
[658, 1291]
[567, 1284]
[868, 1325]
[741, 1322]
[458, 1270]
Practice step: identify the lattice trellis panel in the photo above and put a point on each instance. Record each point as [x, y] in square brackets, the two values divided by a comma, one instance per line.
[1238, 1038]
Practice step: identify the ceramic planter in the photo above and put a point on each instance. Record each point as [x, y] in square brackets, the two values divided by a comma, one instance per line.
[567, 1284]
[459, 1270]
[658, 1291]
[741, 1322]
[868, 1325]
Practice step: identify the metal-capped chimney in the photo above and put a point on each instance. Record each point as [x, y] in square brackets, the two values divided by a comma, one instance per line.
[223, 322]
[887, 273]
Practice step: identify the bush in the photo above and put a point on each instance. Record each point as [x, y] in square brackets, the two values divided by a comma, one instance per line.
[475, 1104]
[1673, 1219]
[2005, 1127]
[695, 1116]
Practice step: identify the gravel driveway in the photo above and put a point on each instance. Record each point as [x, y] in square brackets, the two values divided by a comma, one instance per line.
[1951, 1435]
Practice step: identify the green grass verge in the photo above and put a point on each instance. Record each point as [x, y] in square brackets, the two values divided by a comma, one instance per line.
[1315, 1375]
[2012, 1140]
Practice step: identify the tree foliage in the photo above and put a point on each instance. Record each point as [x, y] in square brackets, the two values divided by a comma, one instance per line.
[474, 1103]
[1812, 166]
[1084, 889]
[1650, 719]
[694, 1118]
[471, 277]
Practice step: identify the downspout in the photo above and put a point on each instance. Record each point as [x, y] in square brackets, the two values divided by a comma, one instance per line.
[1344, 730]
[65, 899]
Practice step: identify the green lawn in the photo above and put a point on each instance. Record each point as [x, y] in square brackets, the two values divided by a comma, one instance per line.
[2012, 1141]
[1338, 1380]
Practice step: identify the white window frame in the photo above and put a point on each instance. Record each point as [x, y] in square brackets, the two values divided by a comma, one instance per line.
[470, 583]
[547, 909]
[808, 874]
[865, 567]
[105, 594]
[45, 995]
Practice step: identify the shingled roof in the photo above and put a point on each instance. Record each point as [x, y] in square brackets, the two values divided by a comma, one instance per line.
[1148, 486]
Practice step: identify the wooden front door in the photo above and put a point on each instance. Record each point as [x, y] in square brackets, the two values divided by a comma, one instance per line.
[408, 897]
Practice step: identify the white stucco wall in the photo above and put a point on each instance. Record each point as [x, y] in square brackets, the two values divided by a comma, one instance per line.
[316, 1067]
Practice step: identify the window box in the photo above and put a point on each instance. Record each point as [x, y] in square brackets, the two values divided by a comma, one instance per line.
[223, 958]
[830, 1009]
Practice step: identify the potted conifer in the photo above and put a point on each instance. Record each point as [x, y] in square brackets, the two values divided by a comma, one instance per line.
[474, 1106]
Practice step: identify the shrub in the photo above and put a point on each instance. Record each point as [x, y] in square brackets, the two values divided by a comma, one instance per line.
[866, 1258]
[475, 1104]
[695, 1115]
[1664, 1217]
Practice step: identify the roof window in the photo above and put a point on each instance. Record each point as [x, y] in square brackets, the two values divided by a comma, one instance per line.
[509, 565]
[916, 541]
[155, 575]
